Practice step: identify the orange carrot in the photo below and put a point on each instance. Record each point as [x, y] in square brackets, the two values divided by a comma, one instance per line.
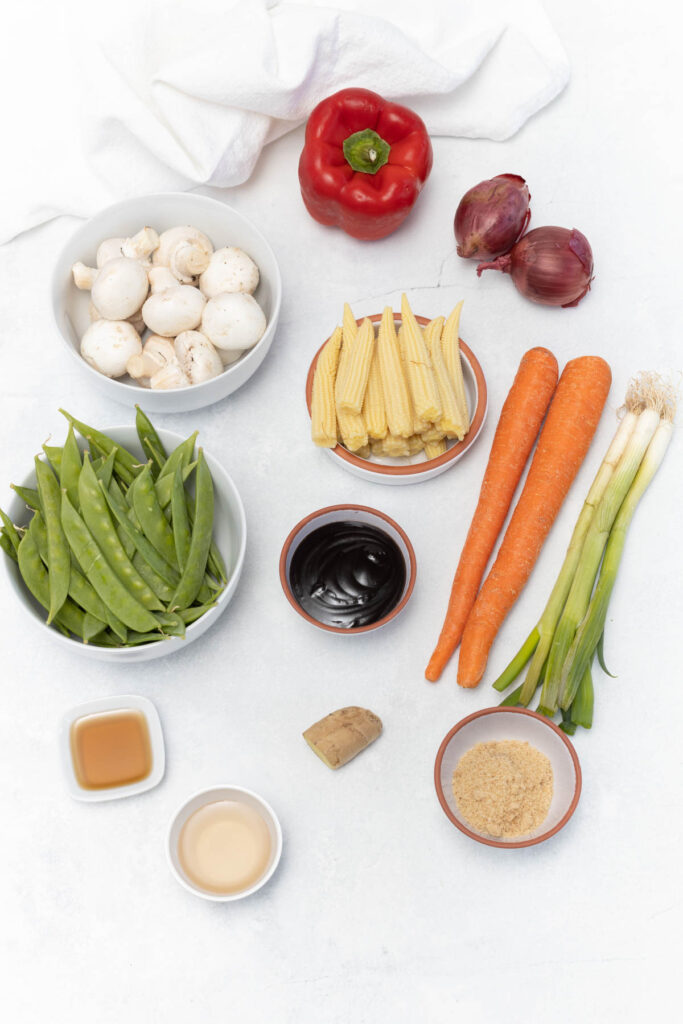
[566, 436]
[518, 426]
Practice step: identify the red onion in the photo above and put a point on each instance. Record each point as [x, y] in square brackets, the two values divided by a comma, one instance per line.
[491, 217]
[553, 266]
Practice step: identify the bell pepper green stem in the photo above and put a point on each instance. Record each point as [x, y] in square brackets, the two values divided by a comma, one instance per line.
[366, 151]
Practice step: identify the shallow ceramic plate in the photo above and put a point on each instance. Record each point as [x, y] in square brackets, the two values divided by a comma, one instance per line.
[97, 707]
[511, 724]
[415, 468]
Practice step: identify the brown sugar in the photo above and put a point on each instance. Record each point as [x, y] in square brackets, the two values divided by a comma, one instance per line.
[503, 788]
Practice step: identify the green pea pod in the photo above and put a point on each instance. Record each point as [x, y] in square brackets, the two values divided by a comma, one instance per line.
[69, 619]
[81, 592]
[157, 459]
[164, 485]
[99, 573]
[145, 548]
[29, 495]
[182, 455]
[58, 550]
[92, 626]
[106, 470]
[189, 615]
[146, 429]
[98, 520]
[70, 467]
[202, 531]
[151, 518]
[182, 534]
[125, 460]
[8, 547]
[157, 583]
[215, 562]
[53, 454]
[171, 624]
[10, 530]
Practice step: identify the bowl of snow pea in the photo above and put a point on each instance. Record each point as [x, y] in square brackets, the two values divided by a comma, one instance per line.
[127, 544]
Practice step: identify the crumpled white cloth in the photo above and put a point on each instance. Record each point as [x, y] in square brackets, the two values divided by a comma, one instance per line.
[178, 93]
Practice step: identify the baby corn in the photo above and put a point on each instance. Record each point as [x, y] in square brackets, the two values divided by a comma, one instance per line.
[351, 427]
[323, 414]
[450, 344]
[419, 425]
[374, 413]
[451, 422]
[420, 377]
[396, 395]
[435, 448]
[352, 390]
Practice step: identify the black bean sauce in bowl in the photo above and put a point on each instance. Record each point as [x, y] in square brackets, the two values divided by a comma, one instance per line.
[348, 574]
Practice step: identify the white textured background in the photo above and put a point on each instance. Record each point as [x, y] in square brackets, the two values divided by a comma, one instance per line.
[381, 911]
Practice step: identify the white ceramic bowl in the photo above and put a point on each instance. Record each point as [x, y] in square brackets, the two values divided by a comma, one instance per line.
[511, 724]
[99, 706]
[224, 226]
[230, 534]
[207, 796]
[340, 514]
[415, 469]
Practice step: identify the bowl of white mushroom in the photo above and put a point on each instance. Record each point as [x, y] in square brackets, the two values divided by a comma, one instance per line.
[170, 301]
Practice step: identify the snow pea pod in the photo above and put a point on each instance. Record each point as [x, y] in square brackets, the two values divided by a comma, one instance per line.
[202, 532]
[99, 573]
[29, 495]
[105, 471]
[7, 546]
[146, 549]
[127, 465]
[10, 530]
[69, 619]
[182, 533]
[189, 615]
[151, 518]
[81, 592]
[70, 466]
[157, 583]
[53, 454]
[146, 430]
[59, 557]
[99, 522]
[182, 455]
[164, 485]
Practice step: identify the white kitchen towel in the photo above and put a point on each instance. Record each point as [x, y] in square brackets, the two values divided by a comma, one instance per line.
[178, 93]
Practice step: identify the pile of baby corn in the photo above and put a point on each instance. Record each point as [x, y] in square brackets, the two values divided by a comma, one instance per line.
[396, 394]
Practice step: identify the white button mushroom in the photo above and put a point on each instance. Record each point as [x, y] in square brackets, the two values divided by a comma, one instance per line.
[156, 353]
[161, 278]
[174, 310]
[230, 270]
[186, 250]
[84, 276]
[233, 321]
[109, 249]
[107, 345]
[120, 288]
[169, 377]
[141, 244]
[198, 359]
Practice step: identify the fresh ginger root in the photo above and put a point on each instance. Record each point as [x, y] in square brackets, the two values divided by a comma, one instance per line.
[338, 737]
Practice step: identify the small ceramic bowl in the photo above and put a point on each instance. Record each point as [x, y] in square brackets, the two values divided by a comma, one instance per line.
[128, 702]
[224, 226]
[511, 724]
[346, 513]
[415, 468]
[230, 533]
[207, 796]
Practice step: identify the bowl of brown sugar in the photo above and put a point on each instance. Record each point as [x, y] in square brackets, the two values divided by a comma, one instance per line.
[507, 777]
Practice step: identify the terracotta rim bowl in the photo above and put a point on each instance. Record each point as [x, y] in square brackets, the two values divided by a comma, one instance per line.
[415, 470]
[340, 513]
[523, 724]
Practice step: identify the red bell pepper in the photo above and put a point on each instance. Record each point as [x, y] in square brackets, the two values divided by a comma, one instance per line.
[364, 163]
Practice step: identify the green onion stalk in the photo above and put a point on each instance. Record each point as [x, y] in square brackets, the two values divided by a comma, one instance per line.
[587, 637]
[592, 551]
[537, 644]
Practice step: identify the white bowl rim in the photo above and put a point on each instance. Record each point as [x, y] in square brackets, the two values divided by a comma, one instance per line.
[172, 643]
[137, 389]
[267, 875]
[502, 844]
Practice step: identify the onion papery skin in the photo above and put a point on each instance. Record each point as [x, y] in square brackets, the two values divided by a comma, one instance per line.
[491, 216]
[550, 265]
